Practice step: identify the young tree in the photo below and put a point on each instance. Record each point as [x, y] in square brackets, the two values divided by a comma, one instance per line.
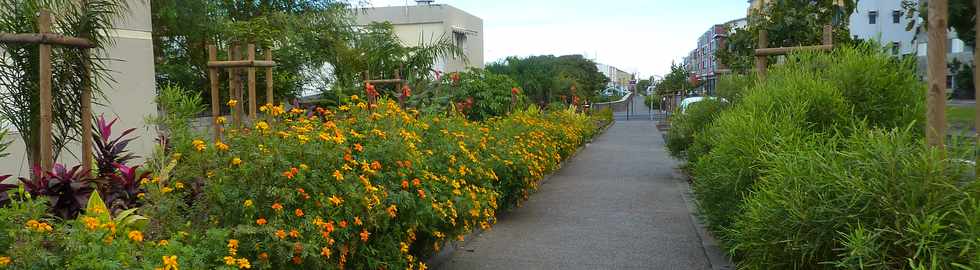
[788, 23]
[546, 78]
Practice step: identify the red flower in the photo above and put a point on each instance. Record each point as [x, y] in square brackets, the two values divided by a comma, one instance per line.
[406, 91]
[515, 91]
[455, 78]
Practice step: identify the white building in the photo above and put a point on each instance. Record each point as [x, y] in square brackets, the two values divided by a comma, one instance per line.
[886, 22]
[427, 23]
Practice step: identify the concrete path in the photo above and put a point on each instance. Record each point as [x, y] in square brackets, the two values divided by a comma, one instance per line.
[619, 204]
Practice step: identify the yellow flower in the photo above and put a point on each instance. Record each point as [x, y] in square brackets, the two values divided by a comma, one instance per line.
[163, 242]
[337, 175]
[244, 264]
[344, 108]
[179, 185]
[325, 251]
[262, 125]
[91, 223]
[281, 234]
[4, 260]
[354, 98]
[221, 120]
[232, 103]
[166, 190]
[221, 146]
[199, 145]
[170, 263]
[248, 203]
[136, 236]
[403, 247]
[236, 161]
[229, 260]
[336, 201]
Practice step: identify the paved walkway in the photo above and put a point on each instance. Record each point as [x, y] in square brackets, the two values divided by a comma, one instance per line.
[619, 204]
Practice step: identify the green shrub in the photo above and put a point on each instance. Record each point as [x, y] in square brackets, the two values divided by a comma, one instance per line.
[480, 94]
[652, 101]
[732, 87]
[874, 200]
[778, 113]
[686, 126]
[811, 94]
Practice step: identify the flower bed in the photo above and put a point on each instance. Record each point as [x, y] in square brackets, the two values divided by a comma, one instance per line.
[366, 186]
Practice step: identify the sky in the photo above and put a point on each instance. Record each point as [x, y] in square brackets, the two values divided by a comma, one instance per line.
[641, 36]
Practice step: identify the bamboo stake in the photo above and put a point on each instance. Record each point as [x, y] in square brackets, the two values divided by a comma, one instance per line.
[976, 89]
[45, 141]
[215, 93]
[268, 77]
[761, 61]
[252, 108]
[86, 117]
[936, 99]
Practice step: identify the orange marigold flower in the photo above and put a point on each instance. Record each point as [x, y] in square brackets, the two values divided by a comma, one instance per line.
[264, 256]
[136, 236]
[392, 211]
[277, 207]
[376, 165]
[294, 233]
[170, 263]
[358, 147]
[4, 260]
[364, 235]
[297, 260]
[337, 175]
[416, 182]
[357, 221]
[243, 263]
[404, 184]
[343, 224]
[325, 251]
[299, 212]
[422, 194]
[281, 234]
[221, 146]
[261, 221]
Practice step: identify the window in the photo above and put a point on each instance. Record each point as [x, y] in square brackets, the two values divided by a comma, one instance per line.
[896, 48]
[872, 17]
[949, 46]
[460, 39]
[949, 81]
[896, 16]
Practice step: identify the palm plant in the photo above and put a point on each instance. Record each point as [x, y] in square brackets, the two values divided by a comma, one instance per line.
[19, 76]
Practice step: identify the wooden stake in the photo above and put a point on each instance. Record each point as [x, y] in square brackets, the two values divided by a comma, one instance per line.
[252, 107]
[828, 35]
[215, 93]
[268, 78]
[86, 117]
[936, 99]
[761, 61]
[233, 84]
[976, 89]
[45, 141]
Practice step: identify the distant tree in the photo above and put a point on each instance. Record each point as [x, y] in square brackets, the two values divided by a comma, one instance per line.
[677, 80]
[546, 78]
[788, 23]
[641, 86]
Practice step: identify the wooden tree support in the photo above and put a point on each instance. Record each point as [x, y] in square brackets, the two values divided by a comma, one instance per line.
[233, 65]
[45, 39]
[397, 81]
[763, 52]
[976, 89]
[936, 71]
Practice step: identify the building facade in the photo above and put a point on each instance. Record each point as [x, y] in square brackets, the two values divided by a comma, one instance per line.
[701, 63]
[131, 96]
[618, 79]
[884, 21]
[428, 23]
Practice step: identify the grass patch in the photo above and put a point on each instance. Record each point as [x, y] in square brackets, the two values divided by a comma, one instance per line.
[961, 117]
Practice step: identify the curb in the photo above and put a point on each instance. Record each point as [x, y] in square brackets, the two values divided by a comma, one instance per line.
[447, 250]
[717, 257]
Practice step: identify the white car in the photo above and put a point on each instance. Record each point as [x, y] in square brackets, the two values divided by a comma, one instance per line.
[691, 100]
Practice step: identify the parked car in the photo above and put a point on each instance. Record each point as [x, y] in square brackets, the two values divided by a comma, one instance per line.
[691, 100]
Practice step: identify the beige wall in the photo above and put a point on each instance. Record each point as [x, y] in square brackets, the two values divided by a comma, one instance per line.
[131, 97]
